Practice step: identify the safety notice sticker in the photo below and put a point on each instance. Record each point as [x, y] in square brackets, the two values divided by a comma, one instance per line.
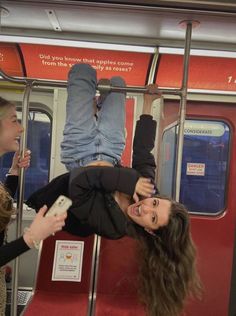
[195, 169]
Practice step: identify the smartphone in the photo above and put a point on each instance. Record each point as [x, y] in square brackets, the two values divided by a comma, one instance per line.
[60, 206]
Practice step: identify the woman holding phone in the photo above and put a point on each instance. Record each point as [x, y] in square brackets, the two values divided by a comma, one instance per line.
[41, 227]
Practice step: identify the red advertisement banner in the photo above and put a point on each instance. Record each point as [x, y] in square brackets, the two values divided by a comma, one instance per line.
[209, 73]
[53, 62]
[10, 61]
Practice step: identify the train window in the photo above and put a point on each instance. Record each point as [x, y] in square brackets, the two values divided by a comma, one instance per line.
[39, 142]
[204, 165]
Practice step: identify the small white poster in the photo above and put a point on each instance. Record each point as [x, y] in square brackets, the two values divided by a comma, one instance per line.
[195, 169]
[68, 260]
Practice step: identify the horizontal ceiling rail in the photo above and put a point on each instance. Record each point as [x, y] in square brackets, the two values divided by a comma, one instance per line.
[100, 87]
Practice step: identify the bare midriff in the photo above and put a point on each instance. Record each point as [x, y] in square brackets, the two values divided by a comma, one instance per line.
[100, 163]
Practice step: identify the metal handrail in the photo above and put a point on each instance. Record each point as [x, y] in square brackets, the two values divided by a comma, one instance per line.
[34, 81]
[100, 87]
[135, 89]
[20, 201]
[183, 103]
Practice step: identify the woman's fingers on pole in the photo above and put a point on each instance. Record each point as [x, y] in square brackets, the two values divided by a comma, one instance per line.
[153, 92]
[153, 89]
[25, 161]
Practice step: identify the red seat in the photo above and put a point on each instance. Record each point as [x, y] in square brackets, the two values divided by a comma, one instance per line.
[62, 298]
[117, 287]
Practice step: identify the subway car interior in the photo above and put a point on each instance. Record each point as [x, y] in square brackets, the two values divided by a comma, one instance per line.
[188, 48]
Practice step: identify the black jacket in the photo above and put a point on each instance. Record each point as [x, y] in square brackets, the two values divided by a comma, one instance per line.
[18, 246]
[94, 210]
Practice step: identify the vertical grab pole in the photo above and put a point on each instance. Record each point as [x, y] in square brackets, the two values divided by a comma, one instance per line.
[153, 67]
[20, 200]
[183, 102]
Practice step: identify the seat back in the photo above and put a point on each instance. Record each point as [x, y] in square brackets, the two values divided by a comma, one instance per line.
[62, 297]
[117, 280]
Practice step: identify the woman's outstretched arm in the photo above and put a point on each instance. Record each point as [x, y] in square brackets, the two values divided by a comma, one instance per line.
[11, 182]
[41, 228]
[144, 138]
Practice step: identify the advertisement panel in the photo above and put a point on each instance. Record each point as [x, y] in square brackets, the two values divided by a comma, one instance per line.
[10, 61]
[209, 73]
[54, 62]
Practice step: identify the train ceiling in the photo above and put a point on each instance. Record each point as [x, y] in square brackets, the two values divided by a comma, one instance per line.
[145, 23]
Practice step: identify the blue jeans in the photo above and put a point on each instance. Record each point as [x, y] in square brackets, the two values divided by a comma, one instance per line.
[85, 138]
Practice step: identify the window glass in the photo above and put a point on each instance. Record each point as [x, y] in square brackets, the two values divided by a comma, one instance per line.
[39, 142]
[204, 165]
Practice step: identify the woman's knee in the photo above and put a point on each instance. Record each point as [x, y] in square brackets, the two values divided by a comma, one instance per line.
[118, 81]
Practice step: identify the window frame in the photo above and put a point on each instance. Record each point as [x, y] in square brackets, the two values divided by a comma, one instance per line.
[174, 125]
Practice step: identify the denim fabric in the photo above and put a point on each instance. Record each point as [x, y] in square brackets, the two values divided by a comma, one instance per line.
[85, 138]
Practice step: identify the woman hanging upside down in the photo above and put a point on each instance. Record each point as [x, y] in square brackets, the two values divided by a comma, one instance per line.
[113, 201]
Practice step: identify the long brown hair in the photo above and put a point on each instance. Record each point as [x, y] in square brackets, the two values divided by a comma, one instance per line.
[6, 208]
[5, 105]
[167, 260]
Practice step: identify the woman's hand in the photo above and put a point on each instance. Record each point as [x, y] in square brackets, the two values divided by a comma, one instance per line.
[18, 162]
[42, 227]
[143, 187]
[149, 96]
[152, 93]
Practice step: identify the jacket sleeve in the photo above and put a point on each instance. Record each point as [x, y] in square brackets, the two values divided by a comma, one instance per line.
[12, 250]
[106, 179]
[11, 184]
[49, 193]
[144, 140]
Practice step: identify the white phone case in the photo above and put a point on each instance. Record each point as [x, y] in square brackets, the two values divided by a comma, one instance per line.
[60, 206]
